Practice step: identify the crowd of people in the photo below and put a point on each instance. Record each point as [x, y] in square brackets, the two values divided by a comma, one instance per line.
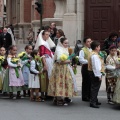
[47, 69]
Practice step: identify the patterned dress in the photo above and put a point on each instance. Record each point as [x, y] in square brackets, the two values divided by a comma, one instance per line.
[116, 95]
[111, 76]
[62, 82]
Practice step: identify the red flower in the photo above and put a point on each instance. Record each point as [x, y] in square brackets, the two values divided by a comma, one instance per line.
[61, 76]
[61, 84]
[60, 92]
[66, 94]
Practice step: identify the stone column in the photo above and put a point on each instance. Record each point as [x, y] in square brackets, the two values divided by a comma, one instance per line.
[60, 8]
[21, 23]
[69, 22]
[9, 11]
[80, 19]
[21, 11]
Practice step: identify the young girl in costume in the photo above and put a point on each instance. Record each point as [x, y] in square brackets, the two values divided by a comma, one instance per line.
[62, 84]
[111, 72]
[3, 65]
[13, 80]
[25, 69]
[34, 83]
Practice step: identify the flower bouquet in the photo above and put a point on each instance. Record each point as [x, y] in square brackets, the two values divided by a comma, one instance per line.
[64, 57]
[76, 60]
[23, 56]
[16, 61]
[2, 58]
[38, 59]
[103, 56]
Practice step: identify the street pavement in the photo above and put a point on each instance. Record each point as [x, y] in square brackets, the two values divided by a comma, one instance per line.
[23, 109]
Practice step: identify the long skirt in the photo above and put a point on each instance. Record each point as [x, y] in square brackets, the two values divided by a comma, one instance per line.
[116, 95]
[61, 83]
[49, 62]
[2, 74]
[44, 82]
[26, 76]
[7, 87]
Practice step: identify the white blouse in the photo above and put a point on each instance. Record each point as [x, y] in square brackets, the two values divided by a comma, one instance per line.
[32, 67]
[96, 66]
[10, 63]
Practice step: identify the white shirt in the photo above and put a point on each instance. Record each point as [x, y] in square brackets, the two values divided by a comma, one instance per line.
[82, 56]
[96, 66]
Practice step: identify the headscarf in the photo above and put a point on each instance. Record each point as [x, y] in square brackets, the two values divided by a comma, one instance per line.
[60, 49]
[12, 36]
[40, 42]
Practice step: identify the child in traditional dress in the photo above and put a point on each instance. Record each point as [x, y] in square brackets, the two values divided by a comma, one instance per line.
[112, 65]
[118, 47]
[13, 80]
[34, 83]
[95, 69]
[26, 70]
[3, 65]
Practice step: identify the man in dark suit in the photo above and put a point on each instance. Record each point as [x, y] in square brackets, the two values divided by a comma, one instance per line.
[5, 39]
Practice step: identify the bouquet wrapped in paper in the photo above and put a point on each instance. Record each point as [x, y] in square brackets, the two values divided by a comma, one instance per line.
[64, 57]
[76, 60]
[23, 56]
[38, 59]
[15, 60]
[2, 58]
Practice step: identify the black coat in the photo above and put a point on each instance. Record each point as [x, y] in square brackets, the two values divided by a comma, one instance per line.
[5, 40]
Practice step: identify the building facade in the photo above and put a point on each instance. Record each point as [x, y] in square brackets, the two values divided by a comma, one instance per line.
[67, 14]
[1, 13]
[77, 18]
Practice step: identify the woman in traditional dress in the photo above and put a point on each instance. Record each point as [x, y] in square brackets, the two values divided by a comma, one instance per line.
[13, 80]
[62, 83]
[112, 65]
[44, 43]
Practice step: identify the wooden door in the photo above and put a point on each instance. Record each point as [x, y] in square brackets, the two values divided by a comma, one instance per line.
[99, 18]
[117, 16]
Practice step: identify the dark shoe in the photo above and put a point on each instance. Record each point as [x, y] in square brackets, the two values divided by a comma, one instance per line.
[18, 97]
[11, 96]
[94, 106]
[98, 103]
[5, 94]
[86, 99]
[68, 100]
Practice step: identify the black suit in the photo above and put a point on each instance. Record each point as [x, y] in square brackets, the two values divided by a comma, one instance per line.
[5, 40]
